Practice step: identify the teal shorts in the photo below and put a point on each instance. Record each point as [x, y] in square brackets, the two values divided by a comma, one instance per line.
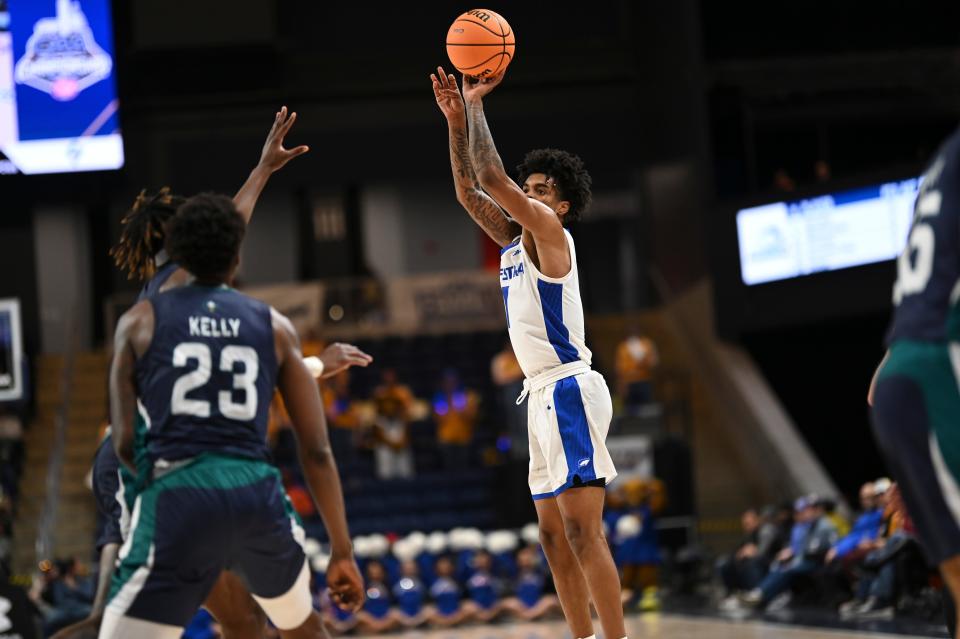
[916, 421]
[190, 524]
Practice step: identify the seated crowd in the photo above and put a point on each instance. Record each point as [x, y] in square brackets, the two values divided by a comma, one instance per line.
[867, 570]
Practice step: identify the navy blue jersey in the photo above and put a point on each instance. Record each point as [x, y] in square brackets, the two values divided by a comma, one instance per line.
[928, 271]
[207, 378]
[153, 285]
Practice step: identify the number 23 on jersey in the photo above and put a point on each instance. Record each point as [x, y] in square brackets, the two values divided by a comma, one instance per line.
[244, 381]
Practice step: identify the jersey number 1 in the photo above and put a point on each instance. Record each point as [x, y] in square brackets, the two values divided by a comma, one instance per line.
[245, 381]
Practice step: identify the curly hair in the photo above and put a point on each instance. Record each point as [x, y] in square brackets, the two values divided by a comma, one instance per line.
[567, 170]
[205, 236]
[143, 234]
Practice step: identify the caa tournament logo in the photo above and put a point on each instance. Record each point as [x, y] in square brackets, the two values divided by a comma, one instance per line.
[62, 58]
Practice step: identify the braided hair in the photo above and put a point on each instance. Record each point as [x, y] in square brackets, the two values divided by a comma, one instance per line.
[143, 233]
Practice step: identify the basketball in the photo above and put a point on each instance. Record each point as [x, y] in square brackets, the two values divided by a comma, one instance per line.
[480, 43]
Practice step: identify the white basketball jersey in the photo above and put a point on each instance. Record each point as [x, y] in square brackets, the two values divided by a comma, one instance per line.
[544, 314]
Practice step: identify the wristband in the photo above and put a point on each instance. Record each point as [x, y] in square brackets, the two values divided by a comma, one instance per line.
[314, 365]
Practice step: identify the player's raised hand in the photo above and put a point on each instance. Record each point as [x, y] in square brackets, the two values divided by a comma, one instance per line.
[274, 156]
[476, 88]
[447, 93]
[345, 583]
[338, 357]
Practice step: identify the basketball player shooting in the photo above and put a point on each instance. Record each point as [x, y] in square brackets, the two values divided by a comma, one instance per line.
[569, 406]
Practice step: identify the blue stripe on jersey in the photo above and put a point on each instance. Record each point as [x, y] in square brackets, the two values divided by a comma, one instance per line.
[506, 308]
[551, 300]
[508, 247]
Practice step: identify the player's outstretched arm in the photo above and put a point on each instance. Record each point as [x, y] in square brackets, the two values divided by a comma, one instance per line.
[335, 359]
[530, 214]
[131, 339]
[484, 211]
[273, 158]
[302, 398]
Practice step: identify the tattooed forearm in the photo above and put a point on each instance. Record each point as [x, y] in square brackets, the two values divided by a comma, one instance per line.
[478, 204]
[482, 150]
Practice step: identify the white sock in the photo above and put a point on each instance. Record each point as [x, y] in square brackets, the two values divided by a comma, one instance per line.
[591, 637]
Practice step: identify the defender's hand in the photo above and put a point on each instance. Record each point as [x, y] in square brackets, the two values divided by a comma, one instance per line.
[274, 156]
[345, 583]
[447, 93]
[476, 88]
[339, 357]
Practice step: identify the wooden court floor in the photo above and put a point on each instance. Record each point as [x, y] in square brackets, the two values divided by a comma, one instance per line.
[647, 627]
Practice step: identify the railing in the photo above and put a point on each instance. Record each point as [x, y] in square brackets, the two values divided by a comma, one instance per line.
[48, 517]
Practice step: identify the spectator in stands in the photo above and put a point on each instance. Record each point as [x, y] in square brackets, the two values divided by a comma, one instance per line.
[636, 359]
[70, 596]
[342, 416]
[639, 550]
[447, 608]
[375, 617]
[280, 434]
[484, 590]
[392, 450]
[841, 523]
[814, 534]
[529, 601]
[455, 412]
[508, 378]
[877, 589]
[299, 496]
[856, 544]
[745, 568]
[410, 593]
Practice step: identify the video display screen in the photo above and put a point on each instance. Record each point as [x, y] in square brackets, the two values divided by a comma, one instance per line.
[789, 239]
[59, 111]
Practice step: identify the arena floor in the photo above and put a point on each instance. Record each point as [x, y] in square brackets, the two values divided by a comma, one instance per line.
[652, 627]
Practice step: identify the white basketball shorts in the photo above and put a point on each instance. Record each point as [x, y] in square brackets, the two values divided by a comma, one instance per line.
[567, 421]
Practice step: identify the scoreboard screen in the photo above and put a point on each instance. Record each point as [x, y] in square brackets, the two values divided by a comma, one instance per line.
[58, 97]
[784, 240]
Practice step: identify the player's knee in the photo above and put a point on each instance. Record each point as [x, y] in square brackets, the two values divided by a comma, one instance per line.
[580, 535]
[552, 536]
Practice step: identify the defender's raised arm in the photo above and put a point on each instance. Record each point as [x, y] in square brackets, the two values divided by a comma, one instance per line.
[273, 157]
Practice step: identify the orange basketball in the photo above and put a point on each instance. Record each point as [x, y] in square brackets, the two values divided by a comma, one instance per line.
[480, 43]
